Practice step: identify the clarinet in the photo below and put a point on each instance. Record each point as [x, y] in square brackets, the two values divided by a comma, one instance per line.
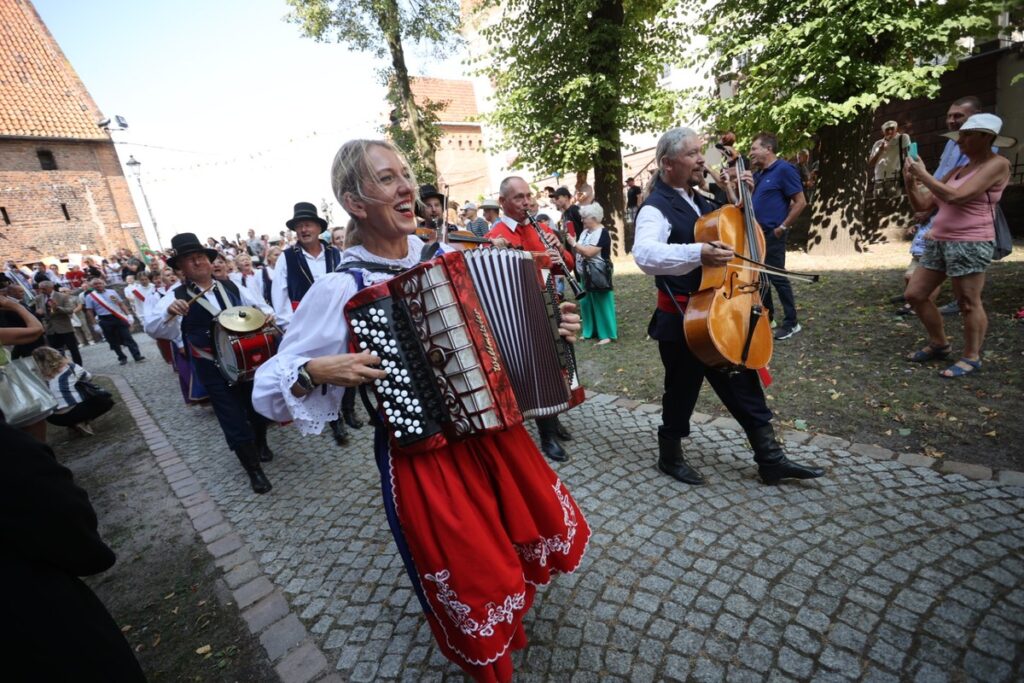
[577, 290]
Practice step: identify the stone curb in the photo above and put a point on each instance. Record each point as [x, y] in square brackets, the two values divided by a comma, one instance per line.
[293, 653]
[792, 436]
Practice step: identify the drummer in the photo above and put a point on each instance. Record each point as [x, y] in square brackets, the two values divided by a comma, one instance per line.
[189, 311]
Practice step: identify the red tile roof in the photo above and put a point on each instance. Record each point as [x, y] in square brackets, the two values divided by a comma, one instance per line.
[458, 97]
[40, 93]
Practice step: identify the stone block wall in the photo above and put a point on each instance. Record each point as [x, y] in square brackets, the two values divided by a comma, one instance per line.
[84, 206]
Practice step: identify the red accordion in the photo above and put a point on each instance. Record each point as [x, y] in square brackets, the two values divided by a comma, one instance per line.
[470, 344]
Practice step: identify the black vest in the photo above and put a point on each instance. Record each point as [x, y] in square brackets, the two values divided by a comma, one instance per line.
[682, 218]
[195, 325]
[300, 279]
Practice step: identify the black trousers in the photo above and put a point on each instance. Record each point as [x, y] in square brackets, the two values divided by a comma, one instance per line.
[232, 405]
[89, 409]
[66, 340]
[740, 392]
[348, 400]
[118, 334]
[775, 255]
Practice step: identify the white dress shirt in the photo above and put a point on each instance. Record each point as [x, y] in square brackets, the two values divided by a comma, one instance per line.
[317, 329]
[651, 250]
[160, 324]
[279, 283]
[253, 283]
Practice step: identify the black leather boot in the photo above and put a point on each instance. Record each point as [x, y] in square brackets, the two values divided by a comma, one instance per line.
[560, 431]
[248, 454]
[772, 463]
[266, 455]
[349, 416]
[672, 462]
[549, 445]
[339, 432]
[348, 408]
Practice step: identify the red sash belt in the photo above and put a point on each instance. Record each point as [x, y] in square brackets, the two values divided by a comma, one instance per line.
[666, 304]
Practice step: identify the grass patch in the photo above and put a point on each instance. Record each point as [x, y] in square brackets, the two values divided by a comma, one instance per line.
[845, 374]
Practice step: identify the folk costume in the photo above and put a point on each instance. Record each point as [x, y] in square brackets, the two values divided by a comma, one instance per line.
[244, 430]
[523, 236]
[295, 273]
[297, 269]
[174, 353]
[665, 247]
[108, 308]
[479, 523]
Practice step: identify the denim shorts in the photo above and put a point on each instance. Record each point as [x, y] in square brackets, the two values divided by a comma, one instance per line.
[957, 259]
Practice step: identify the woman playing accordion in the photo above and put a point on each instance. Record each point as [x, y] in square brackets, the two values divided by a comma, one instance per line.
[480, 522]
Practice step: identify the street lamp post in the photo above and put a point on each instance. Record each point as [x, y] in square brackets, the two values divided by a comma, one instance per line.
[135, 169]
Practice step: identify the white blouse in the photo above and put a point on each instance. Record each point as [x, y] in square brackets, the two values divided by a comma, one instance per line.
[317, 329]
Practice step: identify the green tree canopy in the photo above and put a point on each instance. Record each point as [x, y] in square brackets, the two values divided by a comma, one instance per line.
[822, 67]
[382, 27]
[570, 76]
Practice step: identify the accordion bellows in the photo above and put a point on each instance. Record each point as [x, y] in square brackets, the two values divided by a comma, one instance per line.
[470, 344]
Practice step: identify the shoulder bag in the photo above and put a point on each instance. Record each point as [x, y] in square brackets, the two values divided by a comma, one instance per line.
[597, 274]
[24, 397]
[1004, 240]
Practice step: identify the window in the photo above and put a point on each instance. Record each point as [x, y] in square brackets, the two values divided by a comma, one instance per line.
[3, 212]
[46, 160]
[64, 208]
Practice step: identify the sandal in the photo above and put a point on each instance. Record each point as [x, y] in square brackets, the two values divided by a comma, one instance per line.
[928, 353]
[956, 370]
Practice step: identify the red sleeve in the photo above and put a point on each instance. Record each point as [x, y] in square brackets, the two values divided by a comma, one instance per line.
[567, 256]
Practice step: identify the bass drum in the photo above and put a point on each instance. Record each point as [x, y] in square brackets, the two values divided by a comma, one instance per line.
[239, 352]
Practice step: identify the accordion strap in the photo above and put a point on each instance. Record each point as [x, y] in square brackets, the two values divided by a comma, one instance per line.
[369, 266]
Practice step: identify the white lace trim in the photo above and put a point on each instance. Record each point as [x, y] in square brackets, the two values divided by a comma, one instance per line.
[538, 551]
[313, 411]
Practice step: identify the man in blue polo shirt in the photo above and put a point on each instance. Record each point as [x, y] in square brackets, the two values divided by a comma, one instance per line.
[778, 200]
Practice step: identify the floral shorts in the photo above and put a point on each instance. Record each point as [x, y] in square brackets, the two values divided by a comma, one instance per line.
[957, 259]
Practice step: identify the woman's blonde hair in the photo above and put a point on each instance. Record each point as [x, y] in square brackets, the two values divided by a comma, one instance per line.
[351, 172]
[49, 361]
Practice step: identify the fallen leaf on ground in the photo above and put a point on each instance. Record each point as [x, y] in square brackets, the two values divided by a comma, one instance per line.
[800, 424]
[126, 628]
[904, 432]
[204, 650]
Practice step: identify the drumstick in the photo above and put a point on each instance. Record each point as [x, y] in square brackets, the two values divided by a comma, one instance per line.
[192, 301]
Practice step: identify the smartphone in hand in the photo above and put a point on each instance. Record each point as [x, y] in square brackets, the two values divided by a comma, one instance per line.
[913, 151]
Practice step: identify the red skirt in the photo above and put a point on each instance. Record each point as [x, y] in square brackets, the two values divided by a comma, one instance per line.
[486, 521]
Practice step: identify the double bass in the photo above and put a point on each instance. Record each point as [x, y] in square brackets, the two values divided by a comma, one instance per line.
[725, 323]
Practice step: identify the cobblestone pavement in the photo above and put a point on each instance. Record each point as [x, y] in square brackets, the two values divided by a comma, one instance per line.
[881, 571]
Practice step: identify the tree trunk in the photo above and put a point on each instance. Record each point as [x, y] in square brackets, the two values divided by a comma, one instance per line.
[603, 56]
[392, 32]
[838, 224]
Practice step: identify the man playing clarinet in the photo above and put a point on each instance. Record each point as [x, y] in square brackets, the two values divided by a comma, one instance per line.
[514, 230]
[665, 247]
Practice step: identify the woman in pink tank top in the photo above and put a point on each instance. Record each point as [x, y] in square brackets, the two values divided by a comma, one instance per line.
[960, 244]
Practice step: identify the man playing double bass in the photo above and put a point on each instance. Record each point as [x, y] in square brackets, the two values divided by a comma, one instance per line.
[665, 247]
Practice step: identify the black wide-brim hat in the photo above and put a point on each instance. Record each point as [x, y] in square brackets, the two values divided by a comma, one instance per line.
[427, 191]
[187, 243]
[304, 211]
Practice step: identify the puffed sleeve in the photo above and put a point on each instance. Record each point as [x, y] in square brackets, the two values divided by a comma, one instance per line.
[317, 329]
[248, 299]
[158, 323]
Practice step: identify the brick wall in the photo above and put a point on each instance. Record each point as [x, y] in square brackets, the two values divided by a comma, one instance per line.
[461, 162]
[88, 182]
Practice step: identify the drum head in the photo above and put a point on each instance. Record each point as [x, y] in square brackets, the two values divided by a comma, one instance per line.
[242, 318]
[227, 363]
